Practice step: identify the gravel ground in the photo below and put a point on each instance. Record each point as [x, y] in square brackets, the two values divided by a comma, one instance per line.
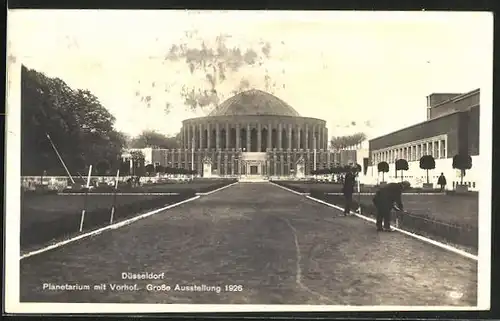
[281, 248]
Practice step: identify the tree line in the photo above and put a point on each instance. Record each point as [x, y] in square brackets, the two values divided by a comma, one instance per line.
[73, 120]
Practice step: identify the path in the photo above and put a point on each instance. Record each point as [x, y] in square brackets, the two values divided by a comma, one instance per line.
[281, 247]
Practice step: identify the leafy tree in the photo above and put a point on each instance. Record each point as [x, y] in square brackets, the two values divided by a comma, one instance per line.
[150, 168]
[150, 138]
[341, 142]
[383, 167]
[102, 167]
[427, 162]
[462, 162]
[159, 169]
[401, 165]
[81, 129]
[138, 159]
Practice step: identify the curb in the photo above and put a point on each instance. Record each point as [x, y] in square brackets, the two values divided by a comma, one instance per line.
[216, 190]
[402, 194]
[102, 229]
[117, 194]
[290, 190]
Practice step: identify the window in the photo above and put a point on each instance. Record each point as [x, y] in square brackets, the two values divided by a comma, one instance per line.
[436, 150]
[443, 148]
[419, 151]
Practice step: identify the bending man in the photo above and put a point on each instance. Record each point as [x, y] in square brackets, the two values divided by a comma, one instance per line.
[387, 198]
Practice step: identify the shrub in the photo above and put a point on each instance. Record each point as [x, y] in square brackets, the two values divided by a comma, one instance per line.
[427, 162]
[383, 167]
[401, 165]
[462, 162]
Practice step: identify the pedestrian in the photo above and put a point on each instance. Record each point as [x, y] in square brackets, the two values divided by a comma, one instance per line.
[348, 190]
[387, 198]
[442, 182]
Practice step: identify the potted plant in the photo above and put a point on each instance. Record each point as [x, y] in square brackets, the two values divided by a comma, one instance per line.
[401, 165]
[427, 162]
[384, 168]
[462, 162]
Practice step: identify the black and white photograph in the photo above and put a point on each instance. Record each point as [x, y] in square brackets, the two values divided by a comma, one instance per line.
[218, 161]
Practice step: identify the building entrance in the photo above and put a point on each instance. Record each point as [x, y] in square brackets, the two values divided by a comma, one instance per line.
[254, 170]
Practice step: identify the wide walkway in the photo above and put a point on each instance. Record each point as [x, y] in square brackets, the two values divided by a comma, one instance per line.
[281, 248]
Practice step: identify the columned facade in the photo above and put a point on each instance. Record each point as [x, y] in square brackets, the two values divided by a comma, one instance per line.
[255, 133]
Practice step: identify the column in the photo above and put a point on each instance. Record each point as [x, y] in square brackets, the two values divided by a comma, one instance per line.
[290, 137]
[193, 128]
[209, 136]
[275, 165]
[326, 143]
[269, 135]
[219, 162]
[227, 135]
[217, 138]
[320, 137]
[259, 138]
[238, 138]
[280, 136]
[282, 164]
[298, 136]
[248, 138]
[188, 136]
[225, 164]
[232, 165]
[306, 141]
[201, 135]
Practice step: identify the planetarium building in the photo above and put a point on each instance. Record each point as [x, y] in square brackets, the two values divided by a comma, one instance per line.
[252, 134]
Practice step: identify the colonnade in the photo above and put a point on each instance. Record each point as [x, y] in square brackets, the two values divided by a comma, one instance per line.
[254, 137]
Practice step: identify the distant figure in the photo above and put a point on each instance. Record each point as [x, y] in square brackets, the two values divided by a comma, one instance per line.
[442, 182]
[385, 199]
[348, 190]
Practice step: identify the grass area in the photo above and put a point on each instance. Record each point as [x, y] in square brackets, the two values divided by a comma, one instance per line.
[48, 218]
[308, 187]
[448, 218]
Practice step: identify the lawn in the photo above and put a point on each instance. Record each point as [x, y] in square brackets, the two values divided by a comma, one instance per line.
[48, 218]
[450, 218]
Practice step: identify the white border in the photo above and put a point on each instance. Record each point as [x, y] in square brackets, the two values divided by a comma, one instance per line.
[12, 193]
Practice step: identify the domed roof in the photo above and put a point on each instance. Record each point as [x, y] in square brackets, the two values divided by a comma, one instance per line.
[254, 102]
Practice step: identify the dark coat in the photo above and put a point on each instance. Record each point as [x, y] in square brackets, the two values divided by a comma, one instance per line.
[349, 182]
[442, 180]
[389, 195]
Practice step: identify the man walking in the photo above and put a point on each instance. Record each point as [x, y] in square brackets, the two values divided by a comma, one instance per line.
[442, 182]
[348, 190]
[385, 199]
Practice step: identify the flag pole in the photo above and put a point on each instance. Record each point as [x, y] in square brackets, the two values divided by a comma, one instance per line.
[85, 199]
[114, 197]
[60, 158]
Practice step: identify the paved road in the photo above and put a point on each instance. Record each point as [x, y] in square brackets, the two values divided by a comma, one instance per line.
[280, 247]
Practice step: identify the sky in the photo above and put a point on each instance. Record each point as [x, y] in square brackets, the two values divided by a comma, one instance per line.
[368, 72]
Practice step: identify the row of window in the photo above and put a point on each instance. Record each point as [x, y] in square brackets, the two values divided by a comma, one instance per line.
[413, 152]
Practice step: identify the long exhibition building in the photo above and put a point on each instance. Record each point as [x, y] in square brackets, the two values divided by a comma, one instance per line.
[253, 134]
[452, 127]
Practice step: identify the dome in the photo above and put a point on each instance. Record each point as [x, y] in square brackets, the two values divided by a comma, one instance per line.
[254, 102]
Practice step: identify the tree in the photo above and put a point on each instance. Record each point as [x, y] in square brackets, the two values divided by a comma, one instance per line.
[138, 159]
[81, 129]
[383, 167]
[159, 169]
[401, 165]
[427, 162]
[102, 167]
[124, 168]
[151, 138]
[341, 142]
[462, 162]
[150, 168]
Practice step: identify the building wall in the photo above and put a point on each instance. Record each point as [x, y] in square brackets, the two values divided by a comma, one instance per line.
[417, 176]
[459, 103]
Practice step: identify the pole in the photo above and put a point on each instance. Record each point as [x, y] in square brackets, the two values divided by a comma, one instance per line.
[359, 195]
[85, 199]
[114, 197]
[60, 158]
